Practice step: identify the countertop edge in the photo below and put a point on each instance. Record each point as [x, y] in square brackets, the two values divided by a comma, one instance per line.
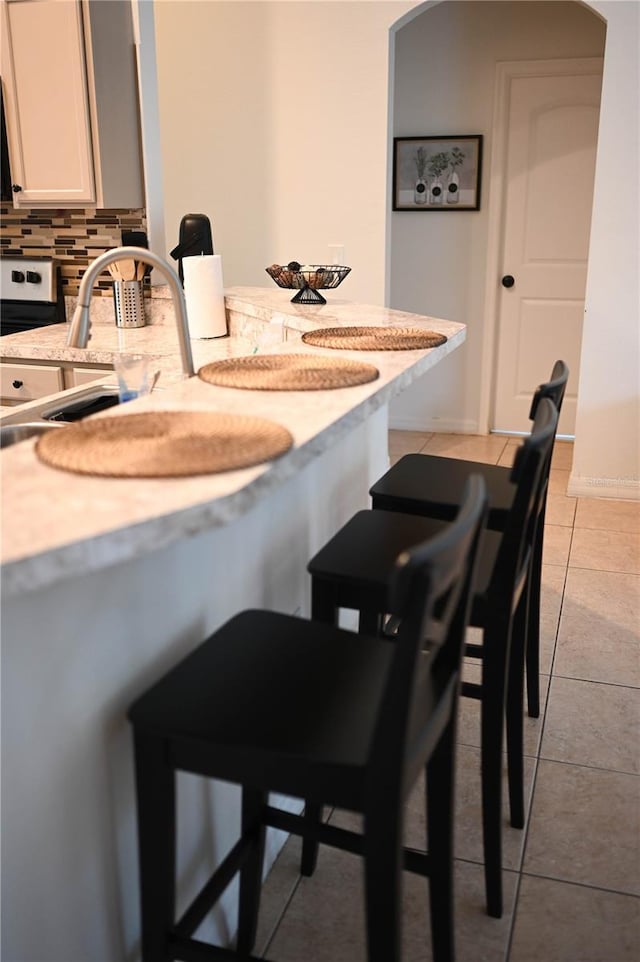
[47, 567]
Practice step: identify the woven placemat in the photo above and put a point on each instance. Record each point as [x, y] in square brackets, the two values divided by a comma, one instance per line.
[287, 372]
[163, 444]
[374, 338]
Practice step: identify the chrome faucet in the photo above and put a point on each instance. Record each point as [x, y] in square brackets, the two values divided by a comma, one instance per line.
[81, 323]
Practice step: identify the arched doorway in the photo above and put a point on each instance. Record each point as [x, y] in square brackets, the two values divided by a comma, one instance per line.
[448, 264]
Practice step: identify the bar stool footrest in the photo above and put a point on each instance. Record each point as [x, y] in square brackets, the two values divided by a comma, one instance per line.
[192, 950]
[213, 889]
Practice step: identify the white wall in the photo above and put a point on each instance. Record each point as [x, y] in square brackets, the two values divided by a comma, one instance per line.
[606, 460]
[445, 63]
[274, 123]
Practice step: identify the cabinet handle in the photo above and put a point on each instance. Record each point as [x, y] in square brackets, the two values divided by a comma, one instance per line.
[16, 188]
[17, 384]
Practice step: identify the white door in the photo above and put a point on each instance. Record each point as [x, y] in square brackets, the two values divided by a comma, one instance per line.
[552, 127]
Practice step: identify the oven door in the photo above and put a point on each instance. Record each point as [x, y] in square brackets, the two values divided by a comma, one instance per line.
[16, 316]
[18, 326]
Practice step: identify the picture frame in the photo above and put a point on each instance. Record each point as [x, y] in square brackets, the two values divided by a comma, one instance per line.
[442, 173]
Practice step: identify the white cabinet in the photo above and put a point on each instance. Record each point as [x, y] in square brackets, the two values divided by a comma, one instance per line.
[71, 99]
[26, 382]
[22, 381]
[75, 376]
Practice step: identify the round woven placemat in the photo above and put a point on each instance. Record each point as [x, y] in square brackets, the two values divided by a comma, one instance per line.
[374, 338]
[163, 444]
[287, 372]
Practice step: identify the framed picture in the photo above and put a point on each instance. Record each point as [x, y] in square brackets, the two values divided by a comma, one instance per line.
[437, 173]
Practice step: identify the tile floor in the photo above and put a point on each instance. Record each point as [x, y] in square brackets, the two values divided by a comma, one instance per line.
[572, 877]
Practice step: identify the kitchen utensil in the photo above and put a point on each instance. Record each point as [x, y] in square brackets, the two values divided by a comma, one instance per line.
[129, 303]
[141, 269]
[127, 269]
[114, 270]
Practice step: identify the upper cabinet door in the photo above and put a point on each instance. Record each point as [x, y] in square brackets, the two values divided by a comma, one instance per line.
[47, 103]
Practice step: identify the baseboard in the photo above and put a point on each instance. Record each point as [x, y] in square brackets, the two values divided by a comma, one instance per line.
[442, 425]
[624, 489]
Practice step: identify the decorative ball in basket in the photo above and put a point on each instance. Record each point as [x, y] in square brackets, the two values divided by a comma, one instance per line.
[308, 280]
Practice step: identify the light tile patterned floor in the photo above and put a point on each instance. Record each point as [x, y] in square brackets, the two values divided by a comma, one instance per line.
[572, 877]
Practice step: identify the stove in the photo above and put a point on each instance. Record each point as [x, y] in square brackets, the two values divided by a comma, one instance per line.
[30, 294]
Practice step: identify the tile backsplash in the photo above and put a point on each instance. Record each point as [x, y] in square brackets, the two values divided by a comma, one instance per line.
[72, 237]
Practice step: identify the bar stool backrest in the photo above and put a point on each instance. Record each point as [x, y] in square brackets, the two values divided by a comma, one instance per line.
[554, 389]
[529, 474]
[430, 592]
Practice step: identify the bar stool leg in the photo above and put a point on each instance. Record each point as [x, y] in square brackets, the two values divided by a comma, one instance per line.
[323, 608]
[309, 859]
[155, 788]
[439, 800]
[323, 602]
[383, 886]
[253, 804]
[492, 728]
[533, 624]
[515, 711]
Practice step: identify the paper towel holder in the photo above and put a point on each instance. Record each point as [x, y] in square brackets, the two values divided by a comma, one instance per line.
[204, 296]
[194, 239]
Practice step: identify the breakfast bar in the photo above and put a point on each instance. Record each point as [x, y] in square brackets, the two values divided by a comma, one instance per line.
[107, 582]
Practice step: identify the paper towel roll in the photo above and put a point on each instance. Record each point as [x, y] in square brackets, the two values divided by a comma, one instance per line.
[204, 295]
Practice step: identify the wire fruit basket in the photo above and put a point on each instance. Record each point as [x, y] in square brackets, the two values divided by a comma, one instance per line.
[308, 281]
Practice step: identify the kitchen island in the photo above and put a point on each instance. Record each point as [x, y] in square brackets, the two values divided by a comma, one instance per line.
[106, 583]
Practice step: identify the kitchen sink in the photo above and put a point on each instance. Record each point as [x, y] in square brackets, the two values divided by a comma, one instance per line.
[66, 408]
[12, 433]
[77, 408]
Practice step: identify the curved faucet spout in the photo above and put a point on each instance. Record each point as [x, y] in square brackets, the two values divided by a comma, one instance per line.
[81, 323]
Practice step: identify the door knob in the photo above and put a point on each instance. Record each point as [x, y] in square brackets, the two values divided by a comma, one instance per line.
[16, 188]
[508, 280]
[17, 384]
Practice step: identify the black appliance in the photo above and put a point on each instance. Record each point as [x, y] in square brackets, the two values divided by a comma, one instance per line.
[194, 239]
[31, 294]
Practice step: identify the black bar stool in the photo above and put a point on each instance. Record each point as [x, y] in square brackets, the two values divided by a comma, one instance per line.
[275, 703]
[353, 570]
[432, 486]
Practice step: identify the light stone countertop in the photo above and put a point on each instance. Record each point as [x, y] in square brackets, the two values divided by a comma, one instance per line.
[56, 524]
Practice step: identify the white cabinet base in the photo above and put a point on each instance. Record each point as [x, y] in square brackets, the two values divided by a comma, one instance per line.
[20, 383]
[75, 656]
[76, 376]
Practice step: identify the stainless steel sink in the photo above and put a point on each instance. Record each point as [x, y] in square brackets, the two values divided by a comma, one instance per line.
[79, 407]
[12, 433]
[70, 406]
